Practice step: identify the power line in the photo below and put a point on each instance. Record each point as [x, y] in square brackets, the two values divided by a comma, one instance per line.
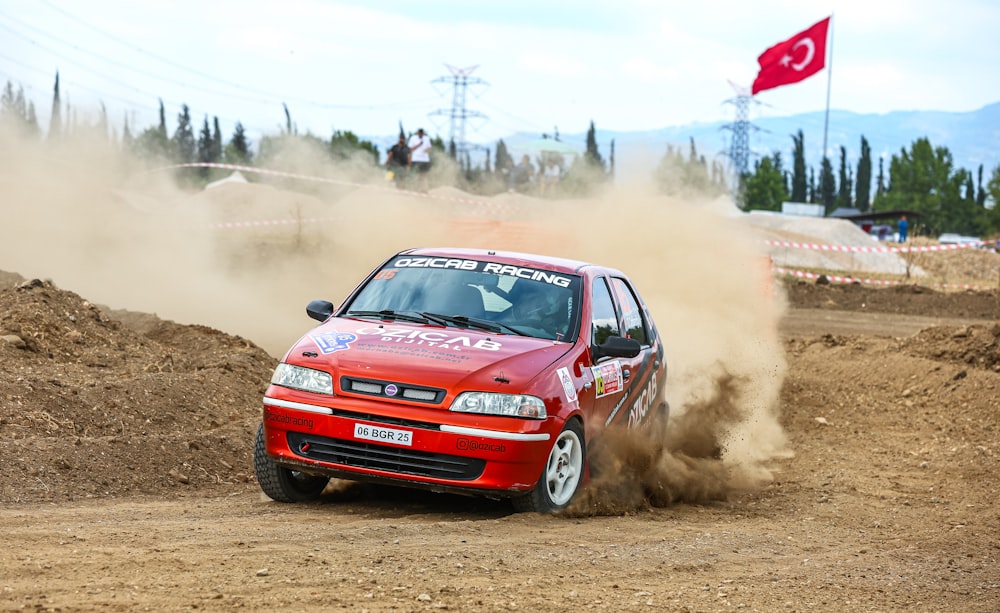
[268, 97]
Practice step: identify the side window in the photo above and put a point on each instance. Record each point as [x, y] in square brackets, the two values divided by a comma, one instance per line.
[605, 322]
[632, 319]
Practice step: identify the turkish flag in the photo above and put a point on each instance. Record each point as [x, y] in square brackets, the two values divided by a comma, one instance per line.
[793, 60]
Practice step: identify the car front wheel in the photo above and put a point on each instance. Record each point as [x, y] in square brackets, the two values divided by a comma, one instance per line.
[280, 483]
[562, 475]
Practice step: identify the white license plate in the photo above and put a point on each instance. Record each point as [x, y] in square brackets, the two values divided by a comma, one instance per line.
[383, 435]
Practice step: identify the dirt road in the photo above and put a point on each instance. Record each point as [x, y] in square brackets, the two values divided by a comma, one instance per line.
[888, 504]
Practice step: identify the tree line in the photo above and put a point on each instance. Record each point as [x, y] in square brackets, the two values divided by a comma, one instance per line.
[922, 179]
[157, 145]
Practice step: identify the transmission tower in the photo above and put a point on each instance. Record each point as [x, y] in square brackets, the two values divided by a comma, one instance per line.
[459, 80]
[739, 146]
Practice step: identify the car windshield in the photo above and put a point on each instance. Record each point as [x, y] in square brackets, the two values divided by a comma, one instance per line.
[487, 296]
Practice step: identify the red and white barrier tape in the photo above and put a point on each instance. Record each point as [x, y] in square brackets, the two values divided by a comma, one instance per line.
[915, 249]
[229, 225]
[883, 282]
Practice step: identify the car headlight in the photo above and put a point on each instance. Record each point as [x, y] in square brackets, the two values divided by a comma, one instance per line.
[305, 379]
[509, 405]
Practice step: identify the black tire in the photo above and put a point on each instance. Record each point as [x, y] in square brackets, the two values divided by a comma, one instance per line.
[562, 475]
[280, 483]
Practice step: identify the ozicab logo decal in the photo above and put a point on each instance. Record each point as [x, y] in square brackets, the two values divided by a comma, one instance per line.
[331, 341]
[641, 405]
[429, 338]
[488, 267]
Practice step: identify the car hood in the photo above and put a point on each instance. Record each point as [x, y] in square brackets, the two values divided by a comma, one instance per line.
[428, 355]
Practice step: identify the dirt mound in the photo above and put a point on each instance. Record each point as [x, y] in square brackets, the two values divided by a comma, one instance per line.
[94, 407]
[965, 265]
[976, 346]
[895, 299]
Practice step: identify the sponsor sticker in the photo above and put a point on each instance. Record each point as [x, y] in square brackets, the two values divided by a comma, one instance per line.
[567, 383]
[383, 435]
[331, 341]
[608, 378]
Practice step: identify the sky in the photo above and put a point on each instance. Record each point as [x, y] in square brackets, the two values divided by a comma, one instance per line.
[540, 67]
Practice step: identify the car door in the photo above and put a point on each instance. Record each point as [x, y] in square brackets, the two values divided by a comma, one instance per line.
[605, 384]
[642, 375]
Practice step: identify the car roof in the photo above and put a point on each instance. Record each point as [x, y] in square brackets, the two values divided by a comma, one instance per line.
[514, 258]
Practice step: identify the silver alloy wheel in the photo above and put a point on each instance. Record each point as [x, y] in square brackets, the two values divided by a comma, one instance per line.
[565, 468]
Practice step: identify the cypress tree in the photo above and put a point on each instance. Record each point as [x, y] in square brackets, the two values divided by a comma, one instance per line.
[880, 183]
[844, 193]
[163, 121]
[981, 193]
[55, 120]
[184, 141]
[216, 155]
[592, 155]
[238, 149]
[827, 186]
[798, 191]
[863, 186]
[205, 143]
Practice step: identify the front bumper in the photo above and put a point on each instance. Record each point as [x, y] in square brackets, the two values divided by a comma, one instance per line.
[413, 447]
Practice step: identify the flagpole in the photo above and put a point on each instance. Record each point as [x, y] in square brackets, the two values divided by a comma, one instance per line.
[829, 80]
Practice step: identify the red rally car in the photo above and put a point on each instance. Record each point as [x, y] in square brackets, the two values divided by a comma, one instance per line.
[463, 370]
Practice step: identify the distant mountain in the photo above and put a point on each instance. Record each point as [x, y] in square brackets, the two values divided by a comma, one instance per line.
[972, 137]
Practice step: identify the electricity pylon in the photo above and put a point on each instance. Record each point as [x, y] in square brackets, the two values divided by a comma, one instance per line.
[459, 80]
[739, 146]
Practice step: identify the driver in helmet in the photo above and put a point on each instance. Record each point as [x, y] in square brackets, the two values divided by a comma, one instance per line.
[539, 305]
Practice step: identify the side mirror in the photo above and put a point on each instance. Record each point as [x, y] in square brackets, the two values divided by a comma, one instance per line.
[618, 347]
[320, 310]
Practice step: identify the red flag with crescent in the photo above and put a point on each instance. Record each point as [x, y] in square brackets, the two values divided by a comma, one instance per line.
[793, 60]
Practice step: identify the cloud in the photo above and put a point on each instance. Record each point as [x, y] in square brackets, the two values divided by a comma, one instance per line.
[551, 64]
[643, 69]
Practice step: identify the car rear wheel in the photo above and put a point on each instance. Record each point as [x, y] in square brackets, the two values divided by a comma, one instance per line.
[562, 475]
[280, 483]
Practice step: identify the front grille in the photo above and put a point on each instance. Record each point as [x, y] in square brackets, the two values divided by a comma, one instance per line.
[383, 419]
[399, 460]
[389, 389]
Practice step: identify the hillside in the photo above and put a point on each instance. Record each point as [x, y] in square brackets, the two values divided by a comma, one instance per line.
[970, 137]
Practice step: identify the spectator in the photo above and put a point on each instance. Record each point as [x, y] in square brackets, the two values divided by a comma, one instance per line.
[398, 160]
[420, 157]
[902, 228]
[550, 178]
[522, 175]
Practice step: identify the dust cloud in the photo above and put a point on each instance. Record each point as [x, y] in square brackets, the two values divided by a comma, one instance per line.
[246, 257]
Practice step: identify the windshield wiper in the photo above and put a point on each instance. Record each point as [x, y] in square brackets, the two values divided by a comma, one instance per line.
[473, 322]
[390, 314]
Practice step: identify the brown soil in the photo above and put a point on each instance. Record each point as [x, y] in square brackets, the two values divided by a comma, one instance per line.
[126, 482]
